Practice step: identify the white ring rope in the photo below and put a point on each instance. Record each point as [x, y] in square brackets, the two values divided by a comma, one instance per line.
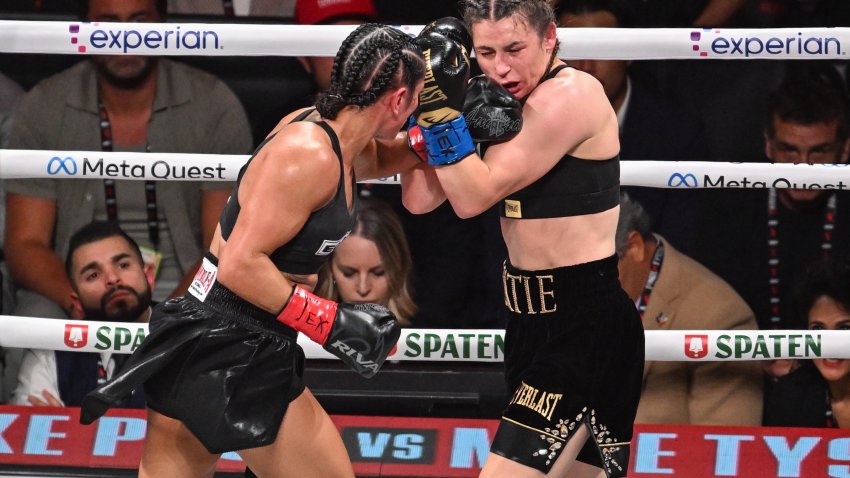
[197, 39]
[15, 163]
[468, 345]
[480, 345]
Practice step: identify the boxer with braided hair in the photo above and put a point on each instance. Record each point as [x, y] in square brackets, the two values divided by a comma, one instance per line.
[221, 368]
[574, 340]
[368, 62]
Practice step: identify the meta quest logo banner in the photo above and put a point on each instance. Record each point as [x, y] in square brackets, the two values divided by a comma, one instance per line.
[137, 167]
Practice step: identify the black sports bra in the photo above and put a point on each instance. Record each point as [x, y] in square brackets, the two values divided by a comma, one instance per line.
[324, 230]
[574, 187]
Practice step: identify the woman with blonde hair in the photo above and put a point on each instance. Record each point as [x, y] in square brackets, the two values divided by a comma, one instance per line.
[373, 265]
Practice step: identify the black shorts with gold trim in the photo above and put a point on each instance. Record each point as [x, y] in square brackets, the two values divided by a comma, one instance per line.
[574, 353]
[223, 367]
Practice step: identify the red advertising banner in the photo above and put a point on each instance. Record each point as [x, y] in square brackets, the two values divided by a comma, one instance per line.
[436, 447]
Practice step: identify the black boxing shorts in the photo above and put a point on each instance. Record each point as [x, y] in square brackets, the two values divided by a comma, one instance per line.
[574, 353]
[223, 367]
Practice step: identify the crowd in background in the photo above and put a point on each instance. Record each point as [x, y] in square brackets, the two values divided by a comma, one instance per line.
[730, 259]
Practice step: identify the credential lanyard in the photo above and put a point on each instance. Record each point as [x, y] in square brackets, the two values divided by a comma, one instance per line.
[773, 249]
[654, 270]
[228, 8]
[831, 422]
[109, 184]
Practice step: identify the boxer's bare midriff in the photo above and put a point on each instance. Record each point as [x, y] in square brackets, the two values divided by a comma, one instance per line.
[535, 244]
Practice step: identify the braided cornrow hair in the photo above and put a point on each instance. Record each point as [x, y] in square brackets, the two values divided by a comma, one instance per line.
[371, 60]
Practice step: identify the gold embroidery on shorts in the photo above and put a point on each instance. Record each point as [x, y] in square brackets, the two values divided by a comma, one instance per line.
[563, 429]
[525, 282]
[544, 293]
[513, 208]
[513, 306]
[540, 401]
[553, 438]
[610, 447]
[505, 286]
[511, 283]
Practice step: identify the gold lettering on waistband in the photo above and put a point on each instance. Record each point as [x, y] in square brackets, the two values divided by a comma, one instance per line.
[505, 286]
[513, 209]
[544, 293]
[525, 282]
[510, 285]
[512, 305]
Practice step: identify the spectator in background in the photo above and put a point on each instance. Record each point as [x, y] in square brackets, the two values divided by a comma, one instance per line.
[761, 240]
[10, 95]
[10, 359]
[800, 13]
[689, 13]
[121, 103]
[110, 282]
[674, 292]
[817, 393]
[231, 8]
[651, 128]
[40, 6]
[340, 12]
[372, 264]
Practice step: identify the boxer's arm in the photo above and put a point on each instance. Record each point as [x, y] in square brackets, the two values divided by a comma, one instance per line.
[559, 117]
[285, 182]
[420, 190]
[382, 158]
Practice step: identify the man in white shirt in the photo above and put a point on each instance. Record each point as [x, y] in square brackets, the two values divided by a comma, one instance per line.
[110, 282]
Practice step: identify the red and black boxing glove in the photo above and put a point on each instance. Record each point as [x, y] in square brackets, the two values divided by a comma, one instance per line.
[415, 141]
[361, 335]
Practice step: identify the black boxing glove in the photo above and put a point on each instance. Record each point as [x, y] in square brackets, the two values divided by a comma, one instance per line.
[492, 113]
[452, 28]
[361, 335]
[440, 117]
[446, 75]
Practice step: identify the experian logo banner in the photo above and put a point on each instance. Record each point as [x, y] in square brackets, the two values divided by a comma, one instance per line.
[718, 43]
[162, 39]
